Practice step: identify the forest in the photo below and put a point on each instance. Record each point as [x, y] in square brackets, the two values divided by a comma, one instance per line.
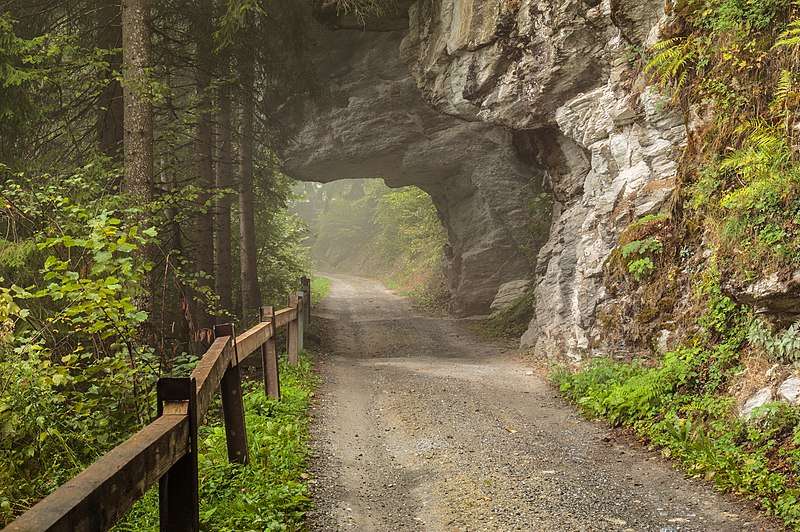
[141, 204]
[362, 226]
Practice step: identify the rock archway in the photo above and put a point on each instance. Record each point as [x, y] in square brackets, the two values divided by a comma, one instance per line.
[487, 105]
[371, 121]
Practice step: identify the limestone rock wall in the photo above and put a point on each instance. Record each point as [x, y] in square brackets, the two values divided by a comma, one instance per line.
[486, 104]
[566, 74]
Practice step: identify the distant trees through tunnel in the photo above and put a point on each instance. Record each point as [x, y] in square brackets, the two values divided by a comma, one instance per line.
[364, 227]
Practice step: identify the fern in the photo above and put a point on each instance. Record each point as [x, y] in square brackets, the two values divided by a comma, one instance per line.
[674, 59]
[790, 37]
[783, 90]
[764, 147]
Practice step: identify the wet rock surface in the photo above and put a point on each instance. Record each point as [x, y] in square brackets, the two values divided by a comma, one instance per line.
[419, 425]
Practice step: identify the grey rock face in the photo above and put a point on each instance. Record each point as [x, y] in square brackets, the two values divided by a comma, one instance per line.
[790, 390]
[485, 104]
[776, 296]
[508, 292]
[510, 62]
[371, 121]
[758, 399]
[563, 73]
[631, 172]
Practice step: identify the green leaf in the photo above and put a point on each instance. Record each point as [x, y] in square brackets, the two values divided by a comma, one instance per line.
[102, 256]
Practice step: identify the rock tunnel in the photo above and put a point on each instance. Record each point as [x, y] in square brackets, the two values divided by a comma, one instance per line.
[488, 106]
[372, 121]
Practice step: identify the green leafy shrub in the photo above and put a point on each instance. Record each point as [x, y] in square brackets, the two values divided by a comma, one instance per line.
[270, 493]
[77, 381]
[783, 347]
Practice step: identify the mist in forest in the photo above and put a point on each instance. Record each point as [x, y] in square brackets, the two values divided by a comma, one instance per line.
[363, 227]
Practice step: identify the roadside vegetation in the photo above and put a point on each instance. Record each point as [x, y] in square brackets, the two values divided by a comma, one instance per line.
[691, 346]
[125, 236]
[270, 493]
[320, 286]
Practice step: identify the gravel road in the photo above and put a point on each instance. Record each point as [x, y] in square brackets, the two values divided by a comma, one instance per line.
[421, 425]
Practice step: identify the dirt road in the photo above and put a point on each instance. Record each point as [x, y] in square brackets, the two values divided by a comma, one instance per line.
[420, 425]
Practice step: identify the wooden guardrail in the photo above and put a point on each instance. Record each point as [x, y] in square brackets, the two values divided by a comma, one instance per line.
[165, 451]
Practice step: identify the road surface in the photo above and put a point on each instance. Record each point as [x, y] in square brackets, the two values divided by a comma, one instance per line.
[421, 425]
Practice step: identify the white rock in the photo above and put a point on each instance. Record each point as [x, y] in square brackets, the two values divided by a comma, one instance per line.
[760, 398]
[790, 390]
[508, 292]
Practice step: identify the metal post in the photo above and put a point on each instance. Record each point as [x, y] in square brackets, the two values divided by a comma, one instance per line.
[269, 356]
[232, 407]
[291, 342]
[178, 495]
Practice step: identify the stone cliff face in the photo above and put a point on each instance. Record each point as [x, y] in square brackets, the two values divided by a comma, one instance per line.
[371, 121]
[486, 104]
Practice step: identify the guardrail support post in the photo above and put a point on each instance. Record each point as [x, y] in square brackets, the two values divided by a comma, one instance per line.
[291, 342]
[269, 356]
[178, 495]
[301, 319]
[305, 285]
[232, 407]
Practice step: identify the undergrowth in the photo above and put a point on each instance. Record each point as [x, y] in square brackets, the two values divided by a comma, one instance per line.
[681, 404]
[731, 67]
[320, 286]
[733, 64]
[271, 493]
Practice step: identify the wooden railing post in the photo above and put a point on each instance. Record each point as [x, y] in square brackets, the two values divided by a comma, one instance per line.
[269, 356]
[305, 285]
[291, 342]
[232, 407]
[178, 495]
[301, 319]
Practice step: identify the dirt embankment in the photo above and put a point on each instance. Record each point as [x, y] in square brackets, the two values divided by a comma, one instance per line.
[420, 425]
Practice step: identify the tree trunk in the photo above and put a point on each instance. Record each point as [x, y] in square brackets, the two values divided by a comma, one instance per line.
[138, 128]
[224, 180]
[251, 294]
[110, 107]
[138, 110]
[204, 147]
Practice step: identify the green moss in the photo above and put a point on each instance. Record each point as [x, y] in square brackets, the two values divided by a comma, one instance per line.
[513, 320]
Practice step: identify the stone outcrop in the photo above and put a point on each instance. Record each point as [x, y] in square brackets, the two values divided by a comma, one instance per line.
[564, 75]
[371, 121]
[508, 293]
[486, 104]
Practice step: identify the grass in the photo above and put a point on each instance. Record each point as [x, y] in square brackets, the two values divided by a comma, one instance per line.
[271, 493]
[320, 286]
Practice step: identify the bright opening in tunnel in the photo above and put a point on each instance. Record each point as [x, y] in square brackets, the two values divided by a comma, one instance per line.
[364, 227]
